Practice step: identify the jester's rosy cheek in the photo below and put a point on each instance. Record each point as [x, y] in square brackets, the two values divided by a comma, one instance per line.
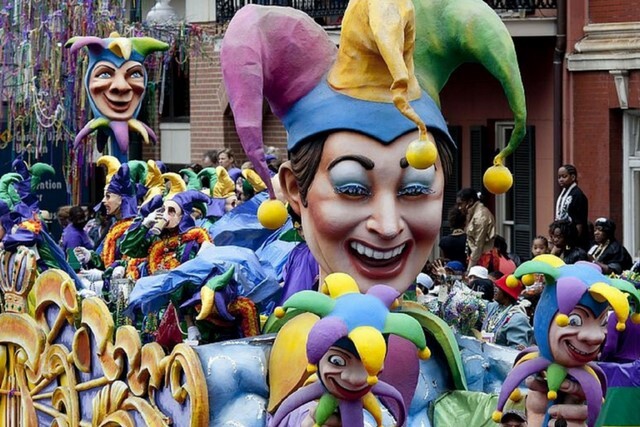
[343, 374]
[581, 340]
[117, 91]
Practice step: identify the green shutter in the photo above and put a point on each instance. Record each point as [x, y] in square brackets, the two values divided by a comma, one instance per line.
[524, 194]
[453, 181]
[478, 138]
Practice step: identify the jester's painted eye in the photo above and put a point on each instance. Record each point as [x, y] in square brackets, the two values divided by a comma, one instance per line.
[337, 360]
[352, 190]
[575, 320]
[415, 190]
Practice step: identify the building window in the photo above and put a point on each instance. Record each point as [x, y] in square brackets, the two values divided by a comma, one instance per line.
[631, 182]
[176, 101]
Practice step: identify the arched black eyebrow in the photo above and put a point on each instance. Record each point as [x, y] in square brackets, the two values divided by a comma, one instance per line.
[366, 162]
[404, 163]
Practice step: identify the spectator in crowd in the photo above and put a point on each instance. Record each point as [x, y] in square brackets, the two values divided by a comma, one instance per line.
[226, 159]
[210, 159]
[514, 414]
[453, 246]
[98, 226]
[539, 246]
[572, 204]
[507, 323]
[505, 264]
[479, 281]
[607, 252]
[74, 234]
[563, 235]
[480, 227]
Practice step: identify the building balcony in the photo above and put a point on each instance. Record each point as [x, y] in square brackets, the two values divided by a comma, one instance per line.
[329, 12]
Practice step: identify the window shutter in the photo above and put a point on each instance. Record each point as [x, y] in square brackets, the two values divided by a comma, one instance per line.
[452, 182]
[478, 138]
[524, 194]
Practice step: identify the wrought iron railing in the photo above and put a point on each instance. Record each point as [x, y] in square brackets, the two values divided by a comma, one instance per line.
[328, 10]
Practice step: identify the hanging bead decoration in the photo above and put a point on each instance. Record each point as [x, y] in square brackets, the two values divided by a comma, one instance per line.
[41, 83]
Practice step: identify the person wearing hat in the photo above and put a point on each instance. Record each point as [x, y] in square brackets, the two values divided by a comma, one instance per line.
[23, 225]
[167, 236]
[368, 148]
[479, 281]
[507, 322]
[608, 252]
[514, 414]
[120, 203]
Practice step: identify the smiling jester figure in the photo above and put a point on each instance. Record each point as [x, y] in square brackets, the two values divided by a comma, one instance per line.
[570, 326]
[116, 81]
[347, 348]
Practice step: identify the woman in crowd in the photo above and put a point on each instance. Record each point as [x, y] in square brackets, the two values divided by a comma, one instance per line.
[607, 252]
[480, 228]
[507, 322]
[226, 159]
[563, 235]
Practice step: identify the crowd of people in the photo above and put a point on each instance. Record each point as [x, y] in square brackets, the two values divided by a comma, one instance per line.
[467, 287]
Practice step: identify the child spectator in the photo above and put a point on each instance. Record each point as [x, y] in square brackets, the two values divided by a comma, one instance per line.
[539, 246]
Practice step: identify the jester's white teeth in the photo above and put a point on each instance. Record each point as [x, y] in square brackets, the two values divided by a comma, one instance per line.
[376, 254]
[580, 352]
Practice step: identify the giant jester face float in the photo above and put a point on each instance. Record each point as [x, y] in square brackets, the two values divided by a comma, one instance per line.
[570, 327]
[115, 82]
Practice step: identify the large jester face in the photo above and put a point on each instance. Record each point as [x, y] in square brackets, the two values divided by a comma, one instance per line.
[370, 215]
[580, 341]
[116, 91]
[571, 318]
[343, 374]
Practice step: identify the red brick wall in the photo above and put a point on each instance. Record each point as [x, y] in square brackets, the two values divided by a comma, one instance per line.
[206, 112]
[597, 135]
[602, 11]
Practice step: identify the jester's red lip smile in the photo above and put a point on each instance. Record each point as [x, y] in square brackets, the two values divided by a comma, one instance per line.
[376, 262]
[120, 106]
[580, 355]
[349, 394]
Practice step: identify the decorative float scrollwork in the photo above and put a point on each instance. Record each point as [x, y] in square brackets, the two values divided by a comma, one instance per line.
[60, 363]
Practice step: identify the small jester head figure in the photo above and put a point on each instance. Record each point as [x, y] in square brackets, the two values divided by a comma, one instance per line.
[569, 327]
[115, 82]
[347, 348]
